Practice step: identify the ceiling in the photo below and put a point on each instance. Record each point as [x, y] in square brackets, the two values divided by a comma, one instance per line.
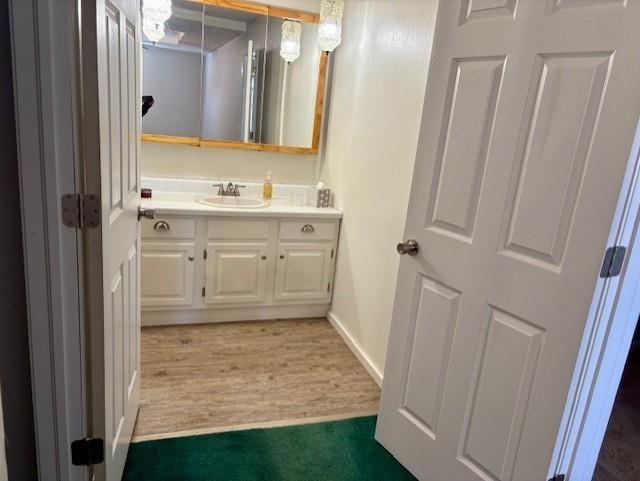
[184, 28]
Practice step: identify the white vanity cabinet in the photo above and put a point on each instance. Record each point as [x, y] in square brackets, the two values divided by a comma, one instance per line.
[214, 269]
[305, 260]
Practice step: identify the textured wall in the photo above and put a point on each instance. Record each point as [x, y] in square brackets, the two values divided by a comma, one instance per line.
[380, 74]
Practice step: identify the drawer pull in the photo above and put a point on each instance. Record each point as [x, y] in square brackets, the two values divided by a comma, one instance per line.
[308, 229]
[161, 225]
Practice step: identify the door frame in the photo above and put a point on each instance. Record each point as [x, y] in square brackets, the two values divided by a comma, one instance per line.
[44, 43]
[606, 341]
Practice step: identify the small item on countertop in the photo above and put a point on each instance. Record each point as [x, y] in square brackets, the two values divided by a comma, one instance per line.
[145, 193]
[318, 196]
[324, 197]
[267, 187]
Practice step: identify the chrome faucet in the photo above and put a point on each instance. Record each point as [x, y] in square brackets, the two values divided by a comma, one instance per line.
[231, 189]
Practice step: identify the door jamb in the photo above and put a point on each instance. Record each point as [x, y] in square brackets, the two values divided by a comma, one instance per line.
[606, 341]
[44, 42]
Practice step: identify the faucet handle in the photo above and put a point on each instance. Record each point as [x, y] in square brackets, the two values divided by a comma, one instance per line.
[236, 188]
[220, 188]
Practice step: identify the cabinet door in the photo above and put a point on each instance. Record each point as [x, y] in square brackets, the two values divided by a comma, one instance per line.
[304, 271]
[236, 273]
[167, 274]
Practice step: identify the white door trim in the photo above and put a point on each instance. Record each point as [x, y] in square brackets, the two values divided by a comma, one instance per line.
[605, 345]
[3, 455]
[44, 51]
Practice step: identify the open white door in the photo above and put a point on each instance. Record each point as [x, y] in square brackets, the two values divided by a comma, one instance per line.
[112, 114]
[529, 118]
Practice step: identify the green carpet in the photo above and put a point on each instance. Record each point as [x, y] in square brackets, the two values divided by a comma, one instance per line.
[330, 451]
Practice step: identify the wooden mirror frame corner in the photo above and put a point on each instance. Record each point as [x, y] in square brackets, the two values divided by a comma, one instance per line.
[269, 11]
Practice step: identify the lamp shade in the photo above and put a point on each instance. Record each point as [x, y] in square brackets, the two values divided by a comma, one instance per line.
[330, 28]
[154, 14]
[290, 43]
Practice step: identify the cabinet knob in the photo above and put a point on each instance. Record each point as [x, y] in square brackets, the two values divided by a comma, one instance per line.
[161, 225]
[264, 258]
[191, 258]
[281, 256]
[308, 229]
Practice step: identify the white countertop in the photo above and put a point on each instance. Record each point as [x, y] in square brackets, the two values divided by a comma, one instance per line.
[187, 204]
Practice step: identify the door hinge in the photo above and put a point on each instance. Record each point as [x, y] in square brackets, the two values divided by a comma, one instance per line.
[329, 287]
[81, 211]
[203, 291]
[613, 261]
[332, 253]
[88, 451]
[558, 477]
[204, 255]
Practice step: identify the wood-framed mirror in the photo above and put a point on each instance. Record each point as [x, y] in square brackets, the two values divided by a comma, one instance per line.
[217, 78]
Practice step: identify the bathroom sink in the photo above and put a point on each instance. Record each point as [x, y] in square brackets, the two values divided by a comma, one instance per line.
[235, 202]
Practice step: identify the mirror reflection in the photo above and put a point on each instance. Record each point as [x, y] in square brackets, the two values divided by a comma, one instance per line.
[233, 50]
[290, 87]
[171, 74]
[233, 75]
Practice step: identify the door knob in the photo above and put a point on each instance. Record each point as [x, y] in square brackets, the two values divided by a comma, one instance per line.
[146, 213]
[410, 247]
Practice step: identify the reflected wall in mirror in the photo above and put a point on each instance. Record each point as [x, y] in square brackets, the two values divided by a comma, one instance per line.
[290, 88]
[232, 80]
[171, 74]
[218, 78]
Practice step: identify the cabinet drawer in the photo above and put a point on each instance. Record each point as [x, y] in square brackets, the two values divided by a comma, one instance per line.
[315, 231]
[168, 228]
[238, 229]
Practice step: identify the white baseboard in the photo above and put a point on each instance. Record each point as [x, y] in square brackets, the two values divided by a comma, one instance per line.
[257, 313]
[373, 370]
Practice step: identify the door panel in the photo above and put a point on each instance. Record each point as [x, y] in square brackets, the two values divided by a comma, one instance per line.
[236, 273]
[304, 271]
[430, 342]
[168, 271]
[460, 168]
[528, 122]
[508, 361]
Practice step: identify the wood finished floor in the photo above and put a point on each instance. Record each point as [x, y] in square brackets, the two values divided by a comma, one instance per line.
[619, 458]
[213, 377]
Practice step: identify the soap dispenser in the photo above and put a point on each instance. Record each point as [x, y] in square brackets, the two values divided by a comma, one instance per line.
[267, 187]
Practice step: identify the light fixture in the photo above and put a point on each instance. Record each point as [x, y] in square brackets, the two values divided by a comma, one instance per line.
[290, 43]
[153, 31]
[154, 14]
[330, 28]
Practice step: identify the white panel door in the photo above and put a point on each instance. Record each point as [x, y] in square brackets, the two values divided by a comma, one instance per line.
[168, 271]
[236, 273]
[304, 271]
[115, 347]
[529, 118]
